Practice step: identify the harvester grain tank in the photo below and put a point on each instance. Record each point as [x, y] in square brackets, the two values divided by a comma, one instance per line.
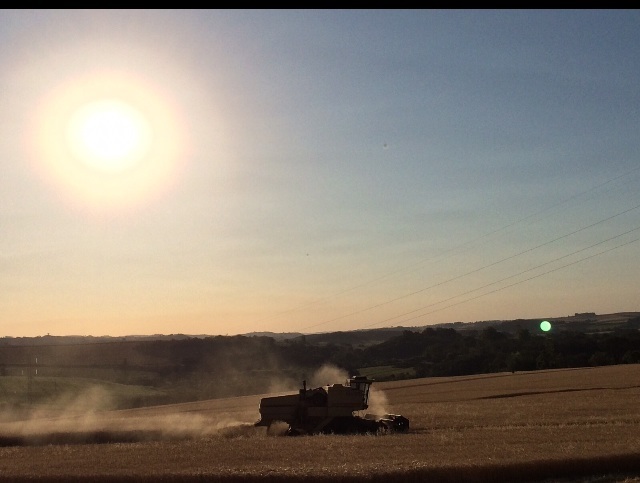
[329, 409]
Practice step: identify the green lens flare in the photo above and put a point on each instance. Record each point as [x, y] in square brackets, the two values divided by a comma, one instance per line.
[545, 326]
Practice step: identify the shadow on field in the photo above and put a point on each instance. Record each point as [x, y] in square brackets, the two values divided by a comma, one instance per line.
[556, 391]
[624, 468]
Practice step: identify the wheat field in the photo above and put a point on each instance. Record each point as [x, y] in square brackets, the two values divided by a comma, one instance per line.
[560, 425]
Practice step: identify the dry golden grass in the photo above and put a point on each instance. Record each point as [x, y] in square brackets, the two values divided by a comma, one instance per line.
[500, 427]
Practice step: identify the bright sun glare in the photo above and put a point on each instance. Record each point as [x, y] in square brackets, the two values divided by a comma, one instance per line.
[108, 141]
[109, 135]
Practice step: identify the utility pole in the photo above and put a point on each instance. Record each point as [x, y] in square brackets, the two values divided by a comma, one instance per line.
[30, 373]
[29, 382]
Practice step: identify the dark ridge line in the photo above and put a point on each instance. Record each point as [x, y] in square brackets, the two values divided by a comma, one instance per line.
[482, 427]
[534, 393]
[555, 391]
[483, 376]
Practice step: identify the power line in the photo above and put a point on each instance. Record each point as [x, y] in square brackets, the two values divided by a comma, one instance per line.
[458, 277]
[510, 277]
[531, 278]
[444, 255]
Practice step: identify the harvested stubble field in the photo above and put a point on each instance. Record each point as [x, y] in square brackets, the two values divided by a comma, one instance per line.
[561, 425]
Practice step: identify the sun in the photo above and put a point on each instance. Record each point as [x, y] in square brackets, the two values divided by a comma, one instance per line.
[109, 135]
[108, 141]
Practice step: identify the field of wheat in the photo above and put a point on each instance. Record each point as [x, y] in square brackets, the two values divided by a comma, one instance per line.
[559, 425]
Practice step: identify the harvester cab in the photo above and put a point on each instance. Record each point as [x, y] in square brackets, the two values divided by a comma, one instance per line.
[329, 409]
[362, 384]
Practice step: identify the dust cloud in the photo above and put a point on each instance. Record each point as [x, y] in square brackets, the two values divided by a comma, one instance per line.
[327, 375]
[92, 417]
[87, 418]
[377, 401]
[324, 376]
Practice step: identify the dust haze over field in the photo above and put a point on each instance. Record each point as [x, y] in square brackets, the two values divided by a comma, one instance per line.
[523, 426]
[90, 417]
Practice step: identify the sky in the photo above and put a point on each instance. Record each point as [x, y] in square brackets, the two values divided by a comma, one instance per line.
[227, 172]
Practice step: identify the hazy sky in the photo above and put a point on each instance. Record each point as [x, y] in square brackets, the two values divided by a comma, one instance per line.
[221, 172]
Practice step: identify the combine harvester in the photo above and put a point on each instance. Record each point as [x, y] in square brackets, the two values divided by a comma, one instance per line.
[329, 409]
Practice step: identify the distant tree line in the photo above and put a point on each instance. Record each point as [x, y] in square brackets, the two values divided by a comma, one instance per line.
[448, 352]
[207, 367]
